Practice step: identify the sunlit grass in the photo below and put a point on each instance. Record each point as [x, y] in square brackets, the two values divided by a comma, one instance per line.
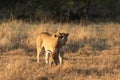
[17, 34]
[92, 51]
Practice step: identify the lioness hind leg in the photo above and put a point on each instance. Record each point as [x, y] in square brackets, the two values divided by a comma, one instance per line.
[38, 54]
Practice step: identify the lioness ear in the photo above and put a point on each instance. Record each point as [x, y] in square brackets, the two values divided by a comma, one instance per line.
[60, 33]
[55, 35]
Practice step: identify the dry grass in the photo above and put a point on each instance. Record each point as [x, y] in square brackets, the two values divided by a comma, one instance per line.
[93, 52]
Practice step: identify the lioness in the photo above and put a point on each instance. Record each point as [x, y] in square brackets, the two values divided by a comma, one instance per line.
[53, 45]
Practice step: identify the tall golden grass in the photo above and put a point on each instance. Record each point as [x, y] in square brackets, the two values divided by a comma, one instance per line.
[92, 52]
[17, 34]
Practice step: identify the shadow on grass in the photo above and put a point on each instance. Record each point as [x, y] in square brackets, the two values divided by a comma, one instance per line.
[91, 71]
[95, 71]
[99, 44]
[74, 46]
[95, 44]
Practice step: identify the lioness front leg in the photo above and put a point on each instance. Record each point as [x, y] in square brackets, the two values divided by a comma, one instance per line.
[47, 56]
[38, 46]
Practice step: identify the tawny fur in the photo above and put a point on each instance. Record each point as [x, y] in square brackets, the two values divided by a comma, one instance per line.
[52, 45]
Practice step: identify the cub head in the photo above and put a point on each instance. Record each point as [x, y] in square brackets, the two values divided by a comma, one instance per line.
[62, 38]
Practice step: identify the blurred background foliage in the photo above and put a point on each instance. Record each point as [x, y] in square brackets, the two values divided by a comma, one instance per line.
[60, 10]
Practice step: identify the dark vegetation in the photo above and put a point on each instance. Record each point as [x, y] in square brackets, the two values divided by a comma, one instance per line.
[60, 10]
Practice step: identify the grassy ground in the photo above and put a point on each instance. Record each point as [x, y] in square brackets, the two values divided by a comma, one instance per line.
[93, 52]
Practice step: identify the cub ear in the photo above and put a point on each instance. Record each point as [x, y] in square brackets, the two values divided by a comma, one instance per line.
[67, 34]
